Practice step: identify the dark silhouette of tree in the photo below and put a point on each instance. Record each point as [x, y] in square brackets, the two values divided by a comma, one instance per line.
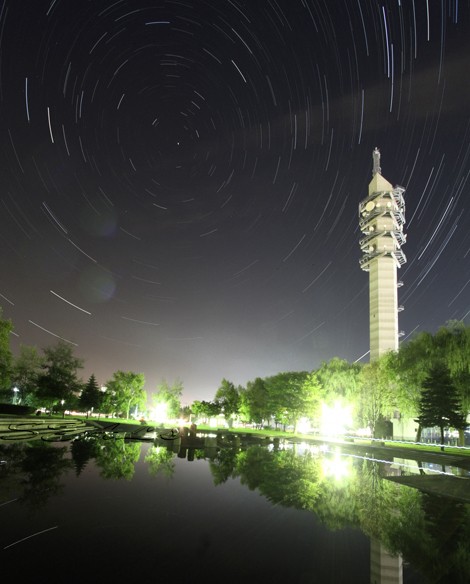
[440, 404]
[83, 449]
[59, 382]
[91, 396]
[27, 368]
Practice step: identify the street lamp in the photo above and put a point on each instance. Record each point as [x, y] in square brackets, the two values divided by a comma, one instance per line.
[15, 395]
[62, 402]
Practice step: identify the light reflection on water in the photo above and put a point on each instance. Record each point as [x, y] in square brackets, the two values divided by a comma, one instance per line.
[227, 510]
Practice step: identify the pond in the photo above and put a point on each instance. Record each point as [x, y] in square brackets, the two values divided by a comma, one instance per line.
[110, 507]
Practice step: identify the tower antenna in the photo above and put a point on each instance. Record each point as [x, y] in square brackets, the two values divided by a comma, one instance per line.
[376, 162]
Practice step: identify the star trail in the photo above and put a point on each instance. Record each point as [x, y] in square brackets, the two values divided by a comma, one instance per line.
[180, 180]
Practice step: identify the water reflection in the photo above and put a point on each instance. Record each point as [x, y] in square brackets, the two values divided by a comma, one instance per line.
[341, 490]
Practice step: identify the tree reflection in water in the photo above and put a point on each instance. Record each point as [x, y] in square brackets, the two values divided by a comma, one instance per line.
[430, 532]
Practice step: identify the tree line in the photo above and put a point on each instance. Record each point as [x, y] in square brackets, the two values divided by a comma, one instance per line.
[427, 379]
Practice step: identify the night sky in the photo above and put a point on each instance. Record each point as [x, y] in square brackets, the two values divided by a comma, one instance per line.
[180, 179]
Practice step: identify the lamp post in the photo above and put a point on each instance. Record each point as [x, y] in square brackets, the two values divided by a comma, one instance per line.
[62, 402]
[15, 395]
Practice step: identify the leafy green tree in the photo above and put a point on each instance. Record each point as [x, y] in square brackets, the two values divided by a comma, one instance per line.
[160, 460]
[6, 327]
[228, 398]
[59, 382]
[126, 390]
[205, 410]
[254, 402]
[288, 397]
[26, 370]
[339, 379]
[170, 395]
[376, 395]
[317, 395]
[440, 404]
[91, 397]
[118, 459]
[450, 345]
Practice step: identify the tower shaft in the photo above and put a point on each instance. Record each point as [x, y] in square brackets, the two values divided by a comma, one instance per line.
[381, 220]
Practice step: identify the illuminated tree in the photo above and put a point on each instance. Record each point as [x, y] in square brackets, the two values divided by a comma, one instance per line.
[254, 402]
[169, 396]
[118, 459]
[288, 397]
[205, 410]
[228, 398]
[339, 379]
[376, 393]
[6, 327]
[126, 390]
[440, 405]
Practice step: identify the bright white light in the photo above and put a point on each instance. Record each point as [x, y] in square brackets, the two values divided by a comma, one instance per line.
[159, 412]
[335, 419]
[303, 426]
[337, 468]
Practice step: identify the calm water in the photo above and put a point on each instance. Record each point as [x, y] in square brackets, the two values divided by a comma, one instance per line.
[226, 510]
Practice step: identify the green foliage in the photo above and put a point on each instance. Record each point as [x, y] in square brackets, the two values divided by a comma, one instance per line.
[160, 461]
[123, 391]
[451, 346]
[254, 402]
[118, 459]
[376, 395]
[288, 397]
[204, 409]
[228, 399]
[91, 396]
[171, 396]
[339, 379]
[59, 381]
[440, 405]
[6, 327]
[26, 370]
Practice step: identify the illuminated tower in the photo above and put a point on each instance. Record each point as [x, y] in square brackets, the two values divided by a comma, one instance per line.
[381, 220]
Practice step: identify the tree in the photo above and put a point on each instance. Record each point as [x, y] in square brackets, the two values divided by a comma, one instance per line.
[204, 409]
[317, 395]
[59, 381]
[26, 370]
[125, 390]
[339, 378]
[91, 396]
[376, 396]
[169, 397]
[254, 402]
[440, 405]
[6, 327]
[228, 398]
[288, 397]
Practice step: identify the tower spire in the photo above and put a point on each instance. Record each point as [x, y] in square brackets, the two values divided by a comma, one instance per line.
[376, 162]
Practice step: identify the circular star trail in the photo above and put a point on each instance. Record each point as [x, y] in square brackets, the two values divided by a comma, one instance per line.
[180, 180]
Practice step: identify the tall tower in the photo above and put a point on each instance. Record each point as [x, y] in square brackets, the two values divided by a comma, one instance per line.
[381, 220]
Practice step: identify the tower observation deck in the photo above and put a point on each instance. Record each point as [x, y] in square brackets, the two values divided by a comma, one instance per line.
[381, 221]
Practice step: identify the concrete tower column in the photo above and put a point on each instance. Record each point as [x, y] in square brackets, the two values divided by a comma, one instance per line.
[381, 220]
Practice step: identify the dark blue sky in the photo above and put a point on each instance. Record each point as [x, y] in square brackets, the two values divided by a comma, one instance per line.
[180, 180]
